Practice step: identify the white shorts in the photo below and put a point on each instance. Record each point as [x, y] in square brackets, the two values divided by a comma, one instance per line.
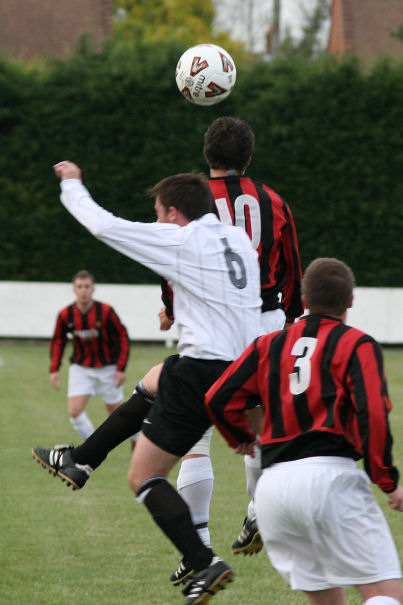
[273, 320]
[202, 447]
[321, 525]
[94, 381]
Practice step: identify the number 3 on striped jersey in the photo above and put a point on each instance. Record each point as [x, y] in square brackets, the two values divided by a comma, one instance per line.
[303, 349]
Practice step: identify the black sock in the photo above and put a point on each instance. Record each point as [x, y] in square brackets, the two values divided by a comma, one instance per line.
[171, 514]
[125, 421]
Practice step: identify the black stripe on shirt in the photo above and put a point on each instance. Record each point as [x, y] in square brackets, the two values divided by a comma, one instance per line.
[275, 406]
[328, 386]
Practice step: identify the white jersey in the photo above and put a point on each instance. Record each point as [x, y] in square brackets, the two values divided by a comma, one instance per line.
[212, 269]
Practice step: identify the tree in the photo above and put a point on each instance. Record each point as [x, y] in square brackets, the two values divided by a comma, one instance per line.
[309, 45]
[152, 21]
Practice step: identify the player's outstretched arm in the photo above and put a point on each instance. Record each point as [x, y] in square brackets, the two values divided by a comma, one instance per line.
[396, 499]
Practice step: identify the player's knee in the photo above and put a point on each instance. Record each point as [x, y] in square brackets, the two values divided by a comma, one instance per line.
[133, 481]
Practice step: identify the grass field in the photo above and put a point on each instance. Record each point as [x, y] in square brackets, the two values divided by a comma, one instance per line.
[98, 546]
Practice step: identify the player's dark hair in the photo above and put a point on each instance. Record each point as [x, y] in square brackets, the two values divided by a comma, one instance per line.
[228, 144]
[188, 192]
[328, 285]
[83, 274]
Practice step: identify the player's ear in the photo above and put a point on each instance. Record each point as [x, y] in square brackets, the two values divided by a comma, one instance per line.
[351, 302]
[172, 214]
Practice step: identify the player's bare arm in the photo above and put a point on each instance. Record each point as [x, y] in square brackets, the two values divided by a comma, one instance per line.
[67, 170]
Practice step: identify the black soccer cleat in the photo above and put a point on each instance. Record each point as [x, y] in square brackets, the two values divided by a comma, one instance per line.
[59, 462]
[183, 573]
[249, 541]
[207, 582]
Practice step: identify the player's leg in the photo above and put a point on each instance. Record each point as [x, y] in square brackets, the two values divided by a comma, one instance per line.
[78, 416]
[331, 596]
[81, 386]
[74, 465]
[182, 385]
[195, 485]
[386, 592]
[149, 468]
[248, 541]
[150, 465]
[111, 407]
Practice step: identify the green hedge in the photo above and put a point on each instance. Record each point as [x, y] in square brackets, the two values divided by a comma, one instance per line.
[329, 140]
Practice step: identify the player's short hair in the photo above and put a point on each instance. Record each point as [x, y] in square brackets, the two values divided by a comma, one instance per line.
[83, 274]
[188, 192]
[228, 144]
[327, 286]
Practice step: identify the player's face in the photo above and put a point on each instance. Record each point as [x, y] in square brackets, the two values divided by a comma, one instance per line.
[161, 212]
[83, 289]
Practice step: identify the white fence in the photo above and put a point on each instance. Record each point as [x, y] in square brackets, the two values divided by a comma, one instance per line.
[29, 309]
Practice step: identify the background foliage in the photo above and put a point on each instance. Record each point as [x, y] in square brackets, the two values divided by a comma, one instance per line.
[329, 140]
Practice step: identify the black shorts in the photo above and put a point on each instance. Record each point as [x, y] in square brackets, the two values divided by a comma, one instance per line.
[179, 418]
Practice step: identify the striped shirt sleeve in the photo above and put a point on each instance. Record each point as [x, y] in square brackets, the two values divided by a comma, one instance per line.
[123, 338]
[229, 397]
[57, 344]
[368, 389]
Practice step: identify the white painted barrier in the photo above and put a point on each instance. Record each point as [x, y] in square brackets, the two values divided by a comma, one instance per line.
[29, 309]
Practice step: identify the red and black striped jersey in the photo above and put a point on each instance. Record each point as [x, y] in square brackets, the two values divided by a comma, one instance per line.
[167, 297]
[268, 221]
[99, 338]
[323, 388]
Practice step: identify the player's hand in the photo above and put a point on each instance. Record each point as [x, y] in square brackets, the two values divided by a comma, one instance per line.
[165, 322]
[67, 170]
[248, 449]
[396, 499]
[55, 380]
[119, 378]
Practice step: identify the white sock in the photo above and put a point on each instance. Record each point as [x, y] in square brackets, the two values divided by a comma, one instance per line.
[195, 485]
[82, 425]
[382, 600]
[253, 471]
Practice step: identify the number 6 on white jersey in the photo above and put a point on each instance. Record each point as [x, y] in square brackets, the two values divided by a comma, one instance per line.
[303, 348]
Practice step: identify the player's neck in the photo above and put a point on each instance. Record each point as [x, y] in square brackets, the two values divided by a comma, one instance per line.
[84, 307]
[219, 173]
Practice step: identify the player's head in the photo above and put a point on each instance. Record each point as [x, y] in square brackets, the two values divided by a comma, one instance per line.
[83, 285]
[228, 144]
[327, 286]
[83, 274]
[189, 193]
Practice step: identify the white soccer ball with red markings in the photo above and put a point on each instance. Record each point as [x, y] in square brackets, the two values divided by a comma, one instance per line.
[205, 74]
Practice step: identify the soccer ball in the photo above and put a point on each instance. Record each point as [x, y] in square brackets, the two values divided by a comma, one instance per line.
[205, 74]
